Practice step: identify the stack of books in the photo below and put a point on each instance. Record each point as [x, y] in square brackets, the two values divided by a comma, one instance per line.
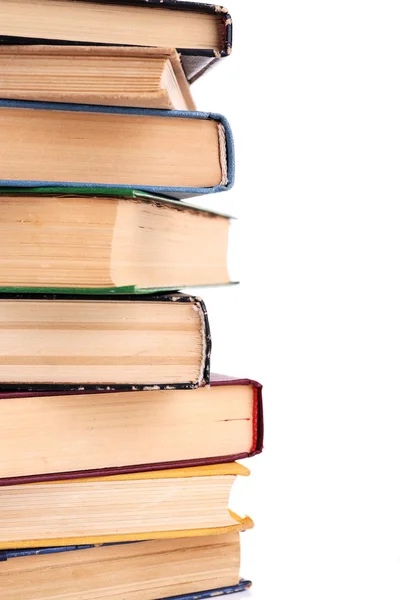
[117, 445]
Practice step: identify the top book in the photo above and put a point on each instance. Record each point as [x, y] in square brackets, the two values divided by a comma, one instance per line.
[202, 33]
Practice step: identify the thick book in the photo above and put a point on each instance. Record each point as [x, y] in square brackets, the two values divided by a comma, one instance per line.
[189, 569]
[177, 503]
[173, 153]
[115, 76]
[100, 342]
[201, 32]
[67, 241]
[56, 436]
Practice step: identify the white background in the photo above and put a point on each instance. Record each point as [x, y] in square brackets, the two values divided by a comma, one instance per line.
[312, 93]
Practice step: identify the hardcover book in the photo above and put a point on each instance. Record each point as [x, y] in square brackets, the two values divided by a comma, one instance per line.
[185, 569]
[173, 153]
[64, 240]
[103, 343]
[79, 435]
[201, 32]
[176, 503]
[113, 75]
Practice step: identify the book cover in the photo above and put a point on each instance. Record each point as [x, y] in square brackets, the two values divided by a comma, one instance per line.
[226, 148]
[216, 380]
[195, 62]
[129, 565]
[94, 193]
[234, 523]
[198, 304]
[7, 555]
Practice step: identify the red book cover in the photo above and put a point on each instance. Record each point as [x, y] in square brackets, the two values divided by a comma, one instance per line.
[216, 381]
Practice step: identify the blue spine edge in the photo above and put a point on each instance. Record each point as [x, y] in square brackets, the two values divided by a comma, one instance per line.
[8, 554]
[242, 586]
[176, 192]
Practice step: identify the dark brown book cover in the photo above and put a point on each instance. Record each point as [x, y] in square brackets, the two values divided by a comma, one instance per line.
[216, 380]
[195, 61]
[111, 386]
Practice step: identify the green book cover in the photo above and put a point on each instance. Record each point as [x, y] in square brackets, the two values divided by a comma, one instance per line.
[96, 192]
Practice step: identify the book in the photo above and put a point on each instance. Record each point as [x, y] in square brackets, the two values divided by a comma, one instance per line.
[80, 342]
[173, 153]
[188, 568]
[65, 240]
[176, 503]
[77, 435]
[114, 75]
[201, 32]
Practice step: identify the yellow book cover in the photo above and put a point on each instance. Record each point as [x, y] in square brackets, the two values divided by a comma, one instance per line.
[176, 503]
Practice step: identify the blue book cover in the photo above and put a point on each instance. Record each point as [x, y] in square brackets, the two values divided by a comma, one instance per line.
[57, 140]
[242, 585]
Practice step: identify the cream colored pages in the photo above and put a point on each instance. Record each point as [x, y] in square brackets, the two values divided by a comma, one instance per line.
[86, 242]
[116, 149]
[95, 431]
[137, 77]
[38, 514]
[110, 23]
[86, 341]
[145, 571]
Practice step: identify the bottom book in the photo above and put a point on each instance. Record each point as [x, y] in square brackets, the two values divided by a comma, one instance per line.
[189, 568]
